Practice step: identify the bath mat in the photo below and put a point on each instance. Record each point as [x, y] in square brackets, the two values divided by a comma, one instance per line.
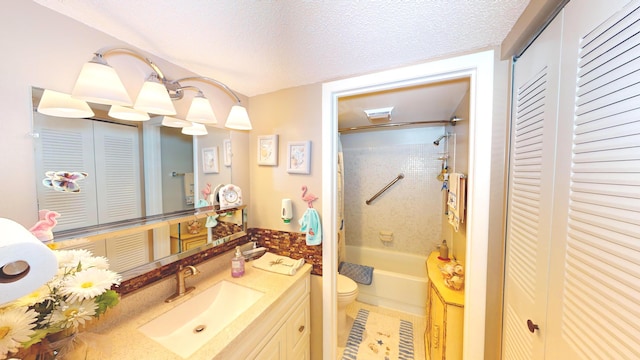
[359, 273]
[377, 336]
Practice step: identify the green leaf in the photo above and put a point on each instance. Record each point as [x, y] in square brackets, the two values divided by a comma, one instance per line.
[107, 300]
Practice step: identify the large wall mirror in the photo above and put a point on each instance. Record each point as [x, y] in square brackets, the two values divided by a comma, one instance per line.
[104, 175]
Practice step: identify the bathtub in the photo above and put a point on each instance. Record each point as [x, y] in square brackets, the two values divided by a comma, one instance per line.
[399, 279]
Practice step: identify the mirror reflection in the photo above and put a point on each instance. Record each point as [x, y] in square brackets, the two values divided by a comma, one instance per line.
[133, 251]
[122, 189]
[101, 170]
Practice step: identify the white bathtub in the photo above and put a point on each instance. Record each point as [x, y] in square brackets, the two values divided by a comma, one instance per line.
[399, 279]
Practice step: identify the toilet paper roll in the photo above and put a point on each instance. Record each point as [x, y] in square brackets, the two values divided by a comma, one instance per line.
[25, 262]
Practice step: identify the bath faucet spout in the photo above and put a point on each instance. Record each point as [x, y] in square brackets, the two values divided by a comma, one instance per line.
[181, 274]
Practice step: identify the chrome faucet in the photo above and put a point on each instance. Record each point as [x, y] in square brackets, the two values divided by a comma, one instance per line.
[181, 274]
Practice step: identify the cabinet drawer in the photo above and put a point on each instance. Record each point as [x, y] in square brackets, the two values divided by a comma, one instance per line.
[299, 324]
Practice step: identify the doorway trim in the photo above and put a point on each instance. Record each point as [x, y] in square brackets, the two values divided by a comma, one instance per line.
[479, 67]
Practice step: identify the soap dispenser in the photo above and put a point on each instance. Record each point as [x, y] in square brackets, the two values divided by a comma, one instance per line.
[237, 264]
[444, 251]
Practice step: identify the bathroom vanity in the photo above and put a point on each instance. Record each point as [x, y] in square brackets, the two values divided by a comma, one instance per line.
[445, 315]
[276, 326]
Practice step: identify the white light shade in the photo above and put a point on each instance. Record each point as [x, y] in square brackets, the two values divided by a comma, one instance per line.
[200, 111]
[154, 98]
[238, 119]
[195, 129]
[174, 122]
[99, 83]
[54, 103]
[127, 113]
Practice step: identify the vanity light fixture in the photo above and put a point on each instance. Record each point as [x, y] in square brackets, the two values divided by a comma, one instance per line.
[127, 113]
[200, 110]
[99, 83]
[154, 98]
[195, 129]
[54, 103]
[174, 122]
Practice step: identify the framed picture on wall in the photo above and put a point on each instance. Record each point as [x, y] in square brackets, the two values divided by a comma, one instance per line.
[210, 163]
[268, 150]
[227, 152]
[299, 157]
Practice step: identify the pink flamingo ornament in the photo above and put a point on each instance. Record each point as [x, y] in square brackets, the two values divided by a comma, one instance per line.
[309, 198]
[42, 228]
[206, 191]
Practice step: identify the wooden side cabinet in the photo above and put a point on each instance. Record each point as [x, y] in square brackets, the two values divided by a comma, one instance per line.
[445, 316]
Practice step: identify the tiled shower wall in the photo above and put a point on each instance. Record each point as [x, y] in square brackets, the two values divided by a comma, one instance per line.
[412, 208]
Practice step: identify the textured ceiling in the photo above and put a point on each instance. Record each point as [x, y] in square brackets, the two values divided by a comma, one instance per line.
[258, 47]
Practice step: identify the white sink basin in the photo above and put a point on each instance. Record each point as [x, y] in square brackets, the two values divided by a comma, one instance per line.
[188, 326]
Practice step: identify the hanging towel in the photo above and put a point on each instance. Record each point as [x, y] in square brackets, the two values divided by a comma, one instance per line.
[311, 226]
[211, 220]
[359, 273]
[278, 264]
[456, 200]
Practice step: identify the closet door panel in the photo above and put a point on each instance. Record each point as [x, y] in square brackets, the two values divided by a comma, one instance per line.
[531, 177]
[594, 312]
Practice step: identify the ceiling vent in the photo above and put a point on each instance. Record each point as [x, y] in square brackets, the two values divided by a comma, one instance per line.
[380, 115]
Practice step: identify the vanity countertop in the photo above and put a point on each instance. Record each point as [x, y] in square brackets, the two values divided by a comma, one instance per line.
[116, 335]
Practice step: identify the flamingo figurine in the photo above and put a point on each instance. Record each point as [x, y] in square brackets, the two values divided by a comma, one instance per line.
[206, 191]
[42, 228]
[309, 198]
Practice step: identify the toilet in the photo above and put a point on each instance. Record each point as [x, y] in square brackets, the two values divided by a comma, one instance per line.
[347, 293]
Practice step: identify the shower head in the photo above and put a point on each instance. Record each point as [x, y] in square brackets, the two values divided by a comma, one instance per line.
[437, 141]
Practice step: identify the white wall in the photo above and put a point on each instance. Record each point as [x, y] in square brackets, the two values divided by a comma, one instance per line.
[294, 115]
[45, 49]
[412, 208]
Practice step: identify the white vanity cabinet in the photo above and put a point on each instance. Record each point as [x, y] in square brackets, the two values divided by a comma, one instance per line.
[291, 341]
[287, 327]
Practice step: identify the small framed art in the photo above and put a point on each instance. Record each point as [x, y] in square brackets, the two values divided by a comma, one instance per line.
[227, 152]
[268, 150]
[299, 157]
[210, 162]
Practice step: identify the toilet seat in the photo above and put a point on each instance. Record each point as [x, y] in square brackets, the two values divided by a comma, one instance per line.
[346, 286]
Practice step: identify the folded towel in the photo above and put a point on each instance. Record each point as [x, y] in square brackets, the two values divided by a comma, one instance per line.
[278, 264]
[359, 273]
[310, 225]
[456, 200]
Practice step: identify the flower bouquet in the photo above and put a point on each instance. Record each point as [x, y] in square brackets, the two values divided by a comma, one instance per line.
[79, 292]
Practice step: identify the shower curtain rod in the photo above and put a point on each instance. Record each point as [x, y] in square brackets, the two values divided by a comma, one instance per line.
[452, 122]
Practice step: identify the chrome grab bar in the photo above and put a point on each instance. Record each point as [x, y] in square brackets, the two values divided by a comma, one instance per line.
[400, 176]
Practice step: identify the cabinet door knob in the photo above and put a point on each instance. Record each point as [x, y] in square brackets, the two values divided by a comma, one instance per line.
[532, 327]
[301, 328]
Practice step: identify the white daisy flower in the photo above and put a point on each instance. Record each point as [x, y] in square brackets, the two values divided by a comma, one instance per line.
[73, 314]
[88, 284]
[16, 327]
[99, 262]
[71, 258]
[39, 295]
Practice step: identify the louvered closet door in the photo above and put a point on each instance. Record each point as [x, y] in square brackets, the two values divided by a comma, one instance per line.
[594, 307]
[531, 176]
[119, 184]
[66, 145]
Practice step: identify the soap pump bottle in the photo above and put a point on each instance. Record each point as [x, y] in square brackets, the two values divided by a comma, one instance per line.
[444, 251]
[237, 264]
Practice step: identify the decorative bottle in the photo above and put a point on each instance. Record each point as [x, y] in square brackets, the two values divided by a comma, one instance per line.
[444, 251]
[237, 264]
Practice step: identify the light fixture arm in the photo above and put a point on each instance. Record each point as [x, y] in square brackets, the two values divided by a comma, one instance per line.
[101, 53]
[173, 86]
[204, 78]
